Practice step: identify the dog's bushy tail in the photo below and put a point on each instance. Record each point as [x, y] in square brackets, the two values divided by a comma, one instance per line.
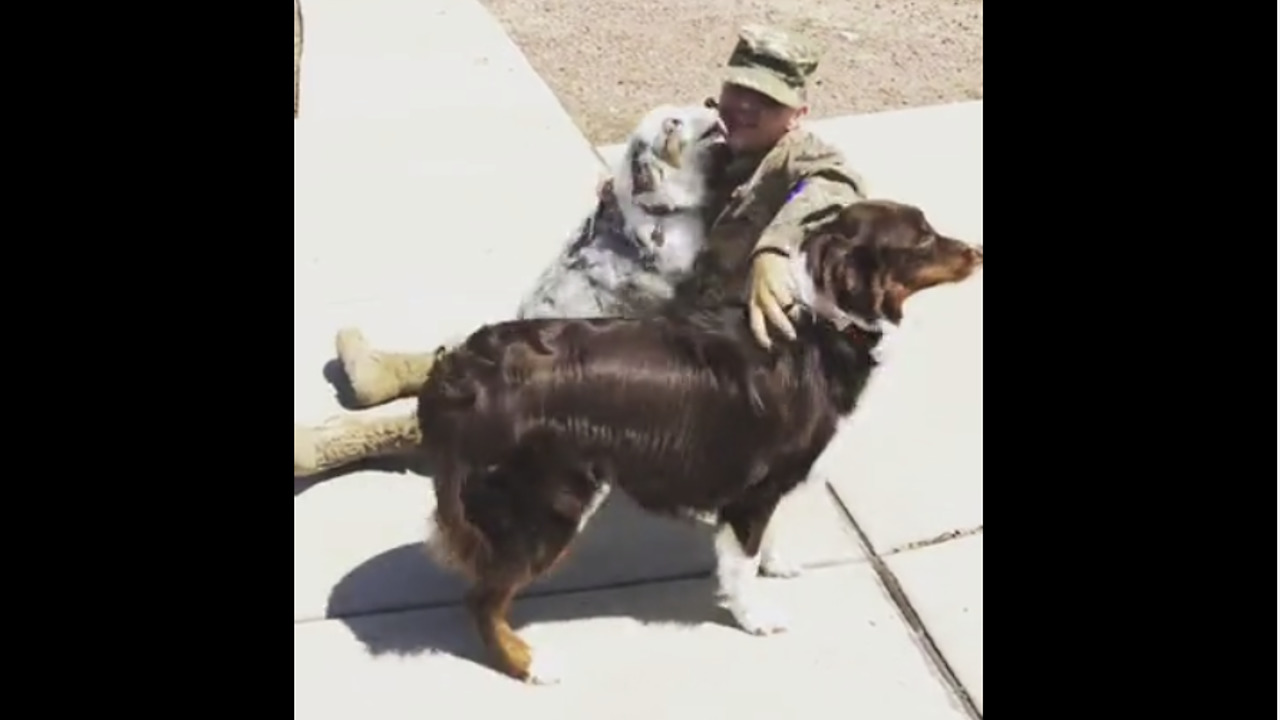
[453, 541]
[446, 402]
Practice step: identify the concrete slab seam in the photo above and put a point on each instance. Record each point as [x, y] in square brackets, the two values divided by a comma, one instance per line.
[938, 539]
[617, 585]
[440, 605]
[890, 583]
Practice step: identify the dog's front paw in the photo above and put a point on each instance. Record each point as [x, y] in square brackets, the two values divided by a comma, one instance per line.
[544, 670]
[778, 566]
[760, 619]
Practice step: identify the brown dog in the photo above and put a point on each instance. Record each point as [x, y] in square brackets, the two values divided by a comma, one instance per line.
[530, 423]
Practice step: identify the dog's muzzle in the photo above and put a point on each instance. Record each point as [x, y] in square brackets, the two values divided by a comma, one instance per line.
[715, 132]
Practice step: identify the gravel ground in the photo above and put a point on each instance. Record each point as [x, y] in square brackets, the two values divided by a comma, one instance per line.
[609, 61]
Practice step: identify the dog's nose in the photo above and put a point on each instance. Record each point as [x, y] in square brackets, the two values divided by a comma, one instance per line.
[977, 254]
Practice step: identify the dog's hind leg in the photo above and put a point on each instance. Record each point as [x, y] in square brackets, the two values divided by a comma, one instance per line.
[489, 603]
[345, 440]
[528, 511]
[378, 377]
[739, 543]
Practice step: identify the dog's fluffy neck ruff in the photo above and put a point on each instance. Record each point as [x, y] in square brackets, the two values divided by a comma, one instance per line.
[684, 193]
[674, 210]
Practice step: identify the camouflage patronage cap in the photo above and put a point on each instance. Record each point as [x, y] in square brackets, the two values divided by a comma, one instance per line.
[772, 62]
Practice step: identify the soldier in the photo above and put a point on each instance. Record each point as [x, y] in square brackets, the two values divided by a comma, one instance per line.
[779, 181]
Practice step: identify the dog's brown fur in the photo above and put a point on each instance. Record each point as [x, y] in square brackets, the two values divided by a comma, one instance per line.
[528, 421]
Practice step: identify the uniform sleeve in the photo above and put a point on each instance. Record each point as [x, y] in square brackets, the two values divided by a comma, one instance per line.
[812, 200]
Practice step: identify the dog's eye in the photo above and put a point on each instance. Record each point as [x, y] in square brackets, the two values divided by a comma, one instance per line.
[672, 124]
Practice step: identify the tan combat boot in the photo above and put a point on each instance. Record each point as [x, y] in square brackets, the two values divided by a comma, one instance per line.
[379, 377]
[344, 440]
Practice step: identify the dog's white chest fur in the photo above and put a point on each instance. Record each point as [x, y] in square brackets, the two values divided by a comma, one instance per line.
[672, 241]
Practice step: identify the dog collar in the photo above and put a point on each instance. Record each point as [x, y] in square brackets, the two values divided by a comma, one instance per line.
[656, 238]
[821, 306]
[824, 309]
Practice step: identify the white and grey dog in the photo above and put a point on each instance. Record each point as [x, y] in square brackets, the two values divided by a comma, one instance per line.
[628, 260]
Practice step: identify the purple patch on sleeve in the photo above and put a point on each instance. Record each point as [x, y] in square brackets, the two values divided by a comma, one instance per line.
[794, 192]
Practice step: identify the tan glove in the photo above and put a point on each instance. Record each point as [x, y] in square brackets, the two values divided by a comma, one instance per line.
[770, 297]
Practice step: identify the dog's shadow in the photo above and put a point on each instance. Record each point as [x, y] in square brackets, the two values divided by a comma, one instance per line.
[653, 570]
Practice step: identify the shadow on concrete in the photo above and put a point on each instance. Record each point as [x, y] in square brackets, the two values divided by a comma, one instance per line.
[336, 376]
[620, 548]
[621, 545]
[449, 629]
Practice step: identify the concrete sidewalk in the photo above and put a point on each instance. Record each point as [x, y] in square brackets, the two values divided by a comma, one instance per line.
[435, 175]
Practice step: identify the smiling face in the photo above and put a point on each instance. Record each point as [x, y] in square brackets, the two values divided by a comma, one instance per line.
[754, 122]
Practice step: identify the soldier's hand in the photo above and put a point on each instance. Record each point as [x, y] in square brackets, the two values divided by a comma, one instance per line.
[770, 297]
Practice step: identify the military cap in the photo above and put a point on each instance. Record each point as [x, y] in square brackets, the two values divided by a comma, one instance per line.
[772, 62]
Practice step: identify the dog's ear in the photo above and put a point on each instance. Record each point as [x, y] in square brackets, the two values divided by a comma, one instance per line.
[867, 281]
[892, 253]
[646, 174]
[856, 222]
[852, 267]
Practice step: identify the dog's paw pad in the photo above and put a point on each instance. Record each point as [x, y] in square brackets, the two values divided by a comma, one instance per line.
[546, 669]
[780, 567]
[762, 619]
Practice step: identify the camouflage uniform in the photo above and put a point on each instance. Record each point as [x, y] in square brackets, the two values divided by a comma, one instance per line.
[772, 199]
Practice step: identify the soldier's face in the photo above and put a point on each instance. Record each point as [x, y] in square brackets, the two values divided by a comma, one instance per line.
[754, 122]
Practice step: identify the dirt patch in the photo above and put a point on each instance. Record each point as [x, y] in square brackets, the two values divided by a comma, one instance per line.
[609, 61]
